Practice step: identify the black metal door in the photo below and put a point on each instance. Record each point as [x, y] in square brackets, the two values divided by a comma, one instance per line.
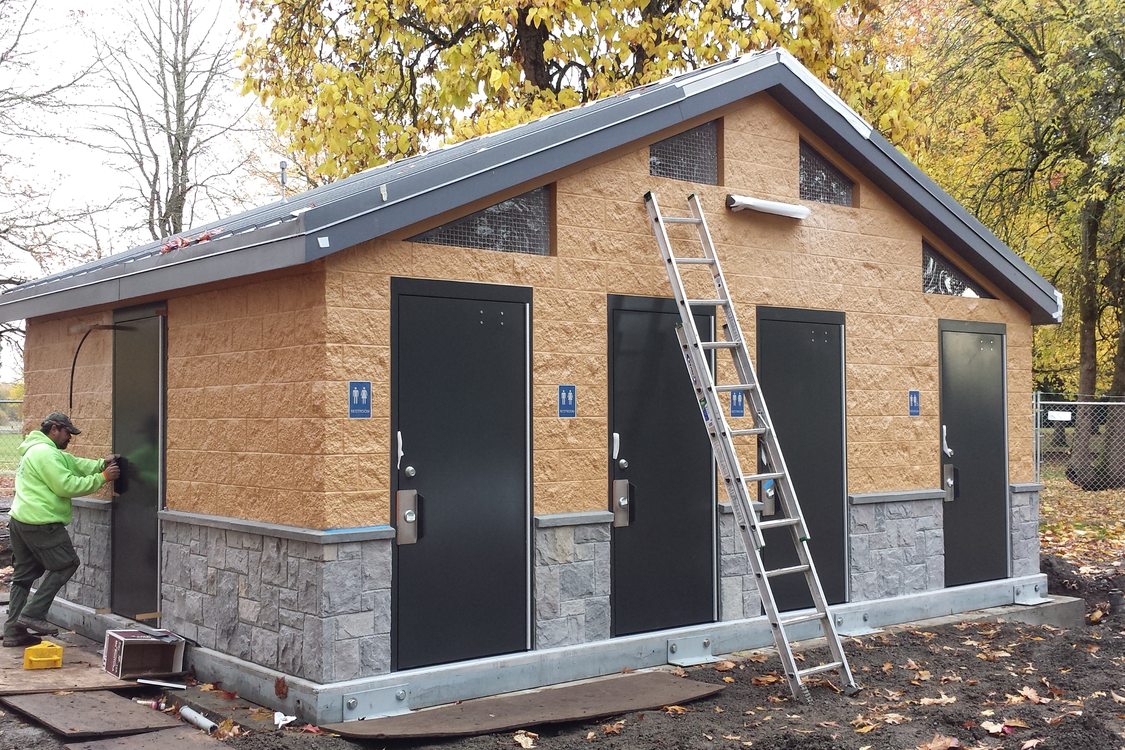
[663, 562]
[974, 452]
[801, 369]
[138, 388]
[460, 420]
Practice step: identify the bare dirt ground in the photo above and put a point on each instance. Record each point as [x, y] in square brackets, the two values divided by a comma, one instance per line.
[964, 685]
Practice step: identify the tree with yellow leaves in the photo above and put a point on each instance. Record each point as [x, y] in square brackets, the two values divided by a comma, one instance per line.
[353, 83]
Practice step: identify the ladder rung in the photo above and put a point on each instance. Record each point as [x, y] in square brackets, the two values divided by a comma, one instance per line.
[704, 302]
[803, 673]
[694, 261]
[719, 344]
[739, 387]
[778, 523]
[786, 571]
[682, 220]
[763, 477]
[749, 431]
[812, 617]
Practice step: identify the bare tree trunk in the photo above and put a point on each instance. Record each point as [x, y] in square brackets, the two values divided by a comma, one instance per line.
[1082, 468]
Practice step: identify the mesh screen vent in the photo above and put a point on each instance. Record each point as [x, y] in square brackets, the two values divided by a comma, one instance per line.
[939, 276]
[692, 156]
[821, 181]
[518, 225]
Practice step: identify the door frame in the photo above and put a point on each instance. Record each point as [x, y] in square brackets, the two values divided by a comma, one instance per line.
[158, 310]
[995, 329]
[819, 317]
[404, 286]
[636, 303]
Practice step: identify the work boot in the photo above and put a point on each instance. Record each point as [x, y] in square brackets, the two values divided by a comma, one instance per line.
[42, 627]
[23, 639]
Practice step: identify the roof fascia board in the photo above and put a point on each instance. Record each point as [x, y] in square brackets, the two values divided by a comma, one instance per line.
[262, 257]
[893, 173]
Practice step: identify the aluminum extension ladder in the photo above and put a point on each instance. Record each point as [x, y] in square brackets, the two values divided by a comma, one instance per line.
[721, 435]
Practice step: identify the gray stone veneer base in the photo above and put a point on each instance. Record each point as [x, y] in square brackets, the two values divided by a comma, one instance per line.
[572, 578]
[90, 532]
[317, 609]
[897, 545]
[1024, 528]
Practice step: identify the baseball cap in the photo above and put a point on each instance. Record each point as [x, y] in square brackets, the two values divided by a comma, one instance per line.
[59, 419]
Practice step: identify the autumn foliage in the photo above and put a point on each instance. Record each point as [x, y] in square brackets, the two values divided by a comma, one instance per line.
[352, 84]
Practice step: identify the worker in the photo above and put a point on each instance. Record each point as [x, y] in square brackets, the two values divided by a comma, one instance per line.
[46, 479]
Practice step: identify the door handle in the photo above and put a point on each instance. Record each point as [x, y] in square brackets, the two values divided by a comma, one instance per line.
[945, 443]
[398, 464]
[616, 445]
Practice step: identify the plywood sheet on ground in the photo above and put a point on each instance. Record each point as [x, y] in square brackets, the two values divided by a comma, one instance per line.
[182, 736]
[81, 670]
[572, 702]
[91, 714]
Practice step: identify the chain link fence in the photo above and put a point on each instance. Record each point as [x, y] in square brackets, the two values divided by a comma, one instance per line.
[11, 429]
[1081, 439]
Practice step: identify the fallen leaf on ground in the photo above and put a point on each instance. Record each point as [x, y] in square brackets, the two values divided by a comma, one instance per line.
[590, 736]
[525, 739]
[675, 710]
[942, 700]
[1116, 698]
[679, 672]
[992, 727]
[227, 728]
[614, 728]
[766, 679]
[724, 666]
[863, 725]
[941, 742]
[312, 729]
[1033, 696]
[728, 679]
[1030, 744]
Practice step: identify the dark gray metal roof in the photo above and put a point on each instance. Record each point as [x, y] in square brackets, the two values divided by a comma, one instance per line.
[400, 194]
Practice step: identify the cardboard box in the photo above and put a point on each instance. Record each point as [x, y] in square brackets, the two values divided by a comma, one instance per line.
[137, 653]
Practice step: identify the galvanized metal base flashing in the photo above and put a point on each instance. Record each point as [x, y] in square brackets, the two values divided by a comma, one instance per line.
[398, 692]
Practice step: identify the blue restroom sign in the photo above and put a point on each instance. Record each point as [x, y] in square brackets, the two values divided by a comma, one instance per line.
[359, 399]
[568, 400]
[914, 401]
[738, 403]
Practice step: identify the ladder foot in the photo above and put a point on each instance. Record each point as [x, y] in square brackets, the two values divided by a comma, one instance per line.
[852, 690]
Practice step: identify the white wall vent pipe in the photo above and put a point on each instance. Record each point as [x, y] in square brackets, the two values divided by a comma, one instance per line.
[792, 210]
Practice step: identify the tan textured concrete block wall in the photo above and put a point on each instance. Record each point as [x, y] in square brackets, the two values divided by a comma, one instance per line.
[50, 348]
[246, 396]
[865, 261]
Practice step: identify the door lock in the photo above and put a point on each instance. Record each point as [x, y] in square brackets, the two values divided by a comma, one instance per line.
[623, 463]
[409, 471]
[619, 502]
[408, 503]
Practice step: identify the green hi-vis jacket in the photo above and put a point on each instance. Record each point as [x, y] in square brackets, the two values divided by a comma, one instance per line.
[47, 478]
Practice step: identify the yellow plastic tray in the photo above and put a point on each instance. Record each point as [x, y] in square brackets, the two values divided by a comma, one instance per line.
[43, 656]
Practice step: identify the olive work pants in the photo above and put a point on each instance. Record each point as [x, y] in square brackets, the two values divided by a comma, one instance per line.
[37, 548]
